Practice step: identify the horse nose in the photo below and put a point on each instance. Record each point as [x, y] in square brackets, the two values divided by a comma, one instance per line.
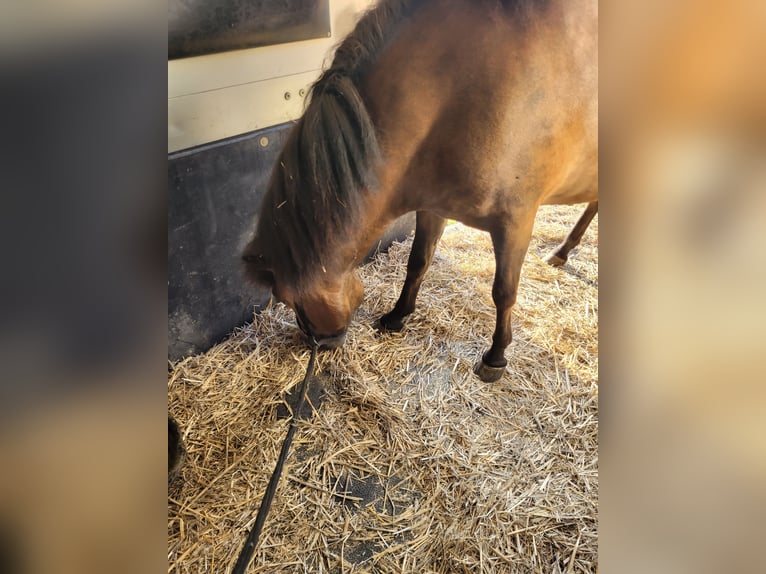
[321, 341]
[332, 342]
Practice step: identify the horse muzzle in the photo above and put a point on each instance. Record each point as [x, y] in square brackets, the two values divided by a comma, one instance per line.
[321, 341]
[331, 342]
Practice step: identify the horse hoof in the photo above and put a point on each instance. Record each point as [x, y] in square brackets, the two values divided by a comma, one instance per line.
[488, 373]
[555, 260]
[386, 323]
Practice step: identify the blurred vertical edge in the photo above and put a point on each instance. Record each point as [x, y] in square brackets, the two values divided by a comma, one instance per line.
[82, 287]
[683, 260]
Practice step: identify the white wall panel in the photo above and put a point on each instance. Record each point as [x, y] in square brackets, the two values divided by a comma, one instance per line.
[222, 95]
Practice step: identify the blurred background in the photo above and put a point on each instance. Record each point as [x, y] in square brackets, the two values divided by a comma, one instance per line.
[83, 312]
[683, 316]
[83, 307]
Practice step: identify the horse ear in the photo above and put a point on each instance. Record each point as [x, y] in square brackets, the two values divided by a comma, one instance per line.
[257, 269]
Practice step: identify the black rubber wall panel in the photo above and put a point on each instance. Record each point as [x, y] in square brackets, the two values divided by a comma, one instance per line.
[214, 195]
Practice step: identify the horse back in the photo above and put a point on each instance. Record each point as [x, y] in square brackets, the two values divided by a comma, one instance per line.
[483, 107]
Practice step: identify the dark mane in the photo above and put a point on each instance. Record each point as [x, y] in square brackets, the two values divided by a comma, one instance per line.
[316, 189]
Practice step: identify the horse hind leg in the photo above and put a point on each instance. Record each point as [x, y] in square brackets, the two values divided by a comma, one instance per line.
[428, 230]
[559, 256]
[510, 249]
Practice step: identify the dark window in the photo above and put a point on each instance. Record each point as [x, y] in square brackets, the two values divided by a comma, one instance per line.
[197, 27]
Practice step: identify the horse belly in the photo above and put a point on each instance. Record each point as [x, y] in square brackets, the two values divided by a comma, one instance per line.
[578, 183]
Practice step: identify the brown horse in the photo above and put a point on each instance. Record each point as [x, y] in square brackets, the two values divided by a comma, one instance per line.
[475, 110]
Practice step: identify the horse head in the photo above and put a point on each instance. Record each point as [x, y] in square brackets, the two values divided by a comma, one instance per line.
[324, 303]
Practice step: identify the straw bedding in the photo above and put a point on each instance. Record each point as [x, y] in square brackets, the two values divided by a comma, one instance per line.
[410, 463]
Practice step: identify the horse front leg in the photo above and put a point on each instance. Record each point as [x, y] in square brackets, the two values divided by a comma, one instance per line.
[559, 256]
[510, 249]
[428, 230]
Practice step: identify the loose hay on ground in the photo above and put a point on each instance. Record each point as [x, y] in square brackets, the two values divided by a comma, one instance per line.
[411, 464]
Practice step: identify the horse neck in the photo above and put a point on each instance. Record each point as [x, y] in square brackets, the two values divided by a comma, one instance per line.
[377, 214]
